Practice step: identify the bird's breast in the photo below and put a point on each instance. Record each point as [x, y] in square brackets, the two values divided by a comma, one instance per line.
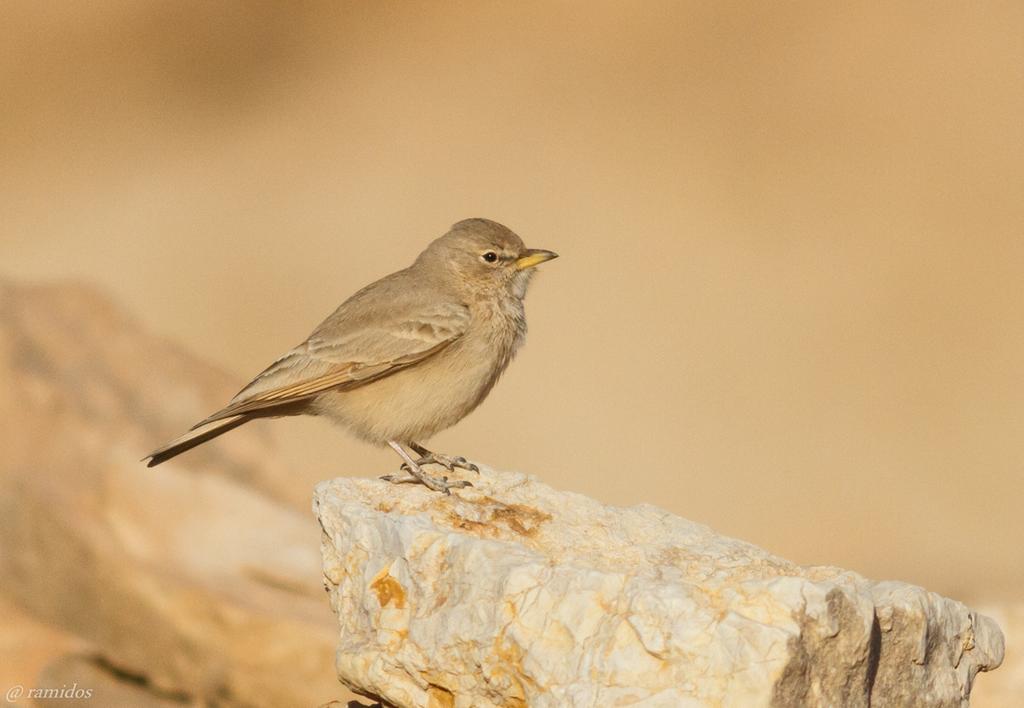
[415, 403]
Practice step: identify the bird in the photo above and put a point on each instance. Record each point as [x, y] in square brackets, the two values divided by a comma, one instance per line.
[404, 357]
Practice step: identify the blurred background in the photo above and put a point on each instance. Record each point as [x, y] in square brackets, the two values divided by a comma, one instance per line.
[789, 298]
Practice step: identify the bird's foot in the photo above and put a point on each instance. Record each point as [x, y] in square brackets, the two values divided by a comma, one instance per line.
[449, 462]
[416, 473]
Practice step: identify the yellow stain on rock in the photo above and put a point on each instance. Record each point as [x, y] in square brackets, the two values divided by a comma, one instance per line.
[509, 670]
[495, 518]
[389, 591]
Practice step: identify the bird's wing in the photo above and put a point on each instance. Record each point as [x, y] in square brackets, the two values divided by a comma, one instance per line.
[348, 355]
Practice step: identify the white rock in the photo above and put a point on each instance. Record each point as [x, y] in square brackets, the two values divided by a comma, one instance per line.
[512, 593]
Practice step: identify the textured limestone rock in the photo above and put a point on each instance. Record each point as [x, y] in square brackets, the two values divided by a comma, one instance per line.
[512, 594]
[198, 579]
[1005, 688]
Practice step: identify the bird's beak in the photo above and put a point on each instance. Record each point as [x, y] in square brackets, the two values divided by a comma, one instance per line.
[534, 256]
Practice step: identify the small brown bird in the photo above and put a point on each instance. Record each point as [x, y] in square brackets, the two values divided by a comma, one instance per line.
[405, 357]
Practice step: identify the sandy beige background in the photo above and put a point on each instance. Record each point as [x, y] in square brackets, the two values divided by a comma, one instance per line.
[789, 302]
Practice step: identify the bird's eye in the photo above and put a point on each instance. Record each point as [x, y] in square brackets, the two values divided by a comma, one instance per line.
[490, 256]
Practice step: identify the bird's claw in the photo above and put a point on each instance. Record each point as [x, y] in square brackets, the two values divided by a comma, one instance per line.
[463, 463]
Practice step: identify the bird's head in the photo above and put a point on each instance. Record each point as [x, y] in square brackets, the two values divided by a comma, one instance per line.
[486, 257]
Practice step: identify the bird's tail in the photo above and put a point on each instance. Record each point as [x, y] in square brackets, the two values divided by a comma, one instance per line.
[194, 437]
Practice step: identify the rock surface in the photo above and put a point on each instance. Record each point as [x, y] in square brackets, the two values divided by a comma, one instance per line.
[198, 579]
[514, 594]
[1005, 688]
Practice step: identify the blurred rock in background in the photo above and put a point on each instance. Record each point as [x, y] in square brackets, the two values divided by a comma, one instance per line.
[196, 580]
